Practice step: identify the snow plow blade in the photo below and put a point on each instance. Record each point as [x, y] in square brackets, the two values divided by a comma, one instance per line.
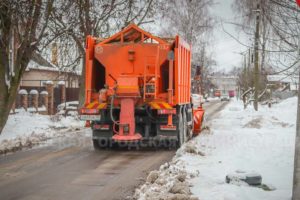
[198, 114]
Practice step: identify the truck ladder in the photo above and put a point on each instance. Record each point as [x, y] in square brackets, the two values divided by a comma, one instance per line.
[151, 76]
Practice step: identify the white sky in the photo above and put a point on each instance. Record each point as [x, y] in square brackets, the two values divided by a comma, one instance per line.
[225, 49]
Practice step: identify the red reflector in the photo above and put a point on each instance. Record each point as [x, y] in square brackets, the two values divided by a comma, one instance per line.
[167, 128]
[101, 126]
[89, 111]
[166, 111]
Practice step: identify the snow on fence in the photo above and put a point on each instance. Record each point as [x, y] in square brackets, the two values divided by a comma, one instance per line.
[45, 99]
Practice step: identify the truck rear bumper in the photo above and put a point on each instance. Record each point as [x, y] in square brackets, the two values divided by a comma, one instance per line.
[101, 134]
[121, 138]
[166, 137]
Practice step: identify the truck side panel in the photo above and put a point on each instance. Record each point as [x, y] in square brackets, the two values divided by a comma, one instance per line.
[182, 72]
[89, 57]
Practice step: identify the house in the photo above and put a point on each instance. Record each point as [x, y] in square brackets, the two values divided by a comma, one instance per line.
[224, 83]
[39, 71]
[284, 82]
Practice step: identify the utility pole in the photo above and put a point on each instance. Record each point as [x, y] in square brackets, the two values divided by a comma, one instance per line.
[256, 68]
[296, 187]
[197, 80]
[245, 71]
[202, 69]
[249, 69]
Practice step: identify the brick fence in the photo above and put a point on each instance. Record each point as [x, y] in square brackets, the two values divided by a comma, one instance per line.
[45, 99]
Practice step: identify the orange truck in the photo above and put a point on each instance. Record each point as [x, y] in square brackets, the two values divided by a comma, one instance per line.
[138, 89]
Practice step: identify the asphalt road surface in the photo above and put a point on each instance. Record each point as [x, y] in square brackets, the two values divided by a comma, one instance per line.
[69, 168]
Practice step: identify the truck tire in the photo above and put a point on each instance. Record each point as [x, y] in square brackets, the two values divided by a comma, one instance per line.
[99, 144]
[190, 126]
[181, 134]
[187, 130]
[96, 145]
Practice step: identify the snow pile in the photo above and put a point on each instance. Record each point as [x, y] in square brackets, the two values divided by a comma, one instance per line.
[172, 180]
[25, 129]
[68, 108]
[169, 183]
[239, 140]
[69, 122]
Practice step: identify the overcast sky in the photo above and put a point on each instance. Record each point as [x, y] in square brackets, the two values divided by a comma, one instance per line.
[226, 49]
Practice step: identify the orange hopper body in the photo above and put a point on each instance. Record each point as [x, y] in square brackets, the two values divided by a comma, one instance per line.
[137, 85]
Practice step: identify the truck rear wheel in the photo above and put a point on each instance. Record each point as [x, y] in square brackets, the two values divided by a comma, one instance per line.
[96, 145]
[99, 144]
[185, 127]
[189, 123]
[181, 133]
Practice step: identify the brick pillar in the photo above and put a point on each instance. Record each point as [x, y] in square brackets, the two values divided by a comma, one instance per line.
[50, 90]
[24, 98]
[34, 99]
[44, 96]
[62, 89]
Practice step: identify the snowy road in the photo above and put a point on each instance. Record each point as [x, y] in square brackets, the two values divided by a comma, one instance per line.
[68, 168]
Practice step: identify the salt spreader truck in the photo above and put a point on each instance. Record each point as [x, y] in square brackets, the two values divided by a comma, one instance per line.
[138, 88]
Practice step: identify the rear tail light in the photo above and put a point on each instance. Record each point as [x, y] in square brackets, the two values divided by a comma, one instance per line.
[89, 111]
[166, 111]
[101, 126]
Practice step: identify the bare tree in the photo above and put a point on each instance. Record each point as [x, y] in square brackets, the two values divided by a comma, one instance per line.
[192, 21]
[277, 49]
[72, 21]
[280, 29]
[22, 27]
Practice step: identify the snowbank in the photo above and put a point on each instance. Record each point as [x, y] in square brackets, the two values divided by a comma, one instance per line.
[238, 140]
[169, 183]
[26, 129]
